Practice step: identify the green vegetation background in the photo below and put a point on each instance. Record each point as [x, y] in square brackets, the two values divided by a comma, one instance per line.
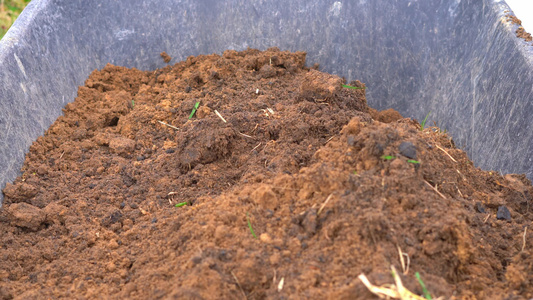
[9, 11]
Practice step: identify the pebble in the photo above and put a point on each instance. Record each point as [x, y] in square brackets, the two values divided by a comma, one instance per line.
[503, 213]
[408, 150]
[480, 208]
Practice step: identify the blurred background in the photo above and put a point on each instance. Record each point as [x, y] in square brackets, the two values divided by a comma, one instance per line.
[9, 11]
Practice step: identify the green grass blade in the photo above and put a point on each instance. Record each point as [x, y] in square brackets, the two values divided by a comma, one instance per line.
[181, 204]
[250, 225]
[424, 122]
[413, 161]
[424, 289]
[388, 157]
[353, 87]
[194, 109]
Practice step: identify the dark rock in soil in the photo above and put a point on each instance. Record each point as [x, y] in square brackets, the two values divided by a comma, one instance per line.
[408, 150]
[503, 213]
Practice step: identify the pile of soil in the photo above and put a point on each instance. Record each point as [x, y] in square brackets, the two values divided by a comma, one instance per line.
[288, 186]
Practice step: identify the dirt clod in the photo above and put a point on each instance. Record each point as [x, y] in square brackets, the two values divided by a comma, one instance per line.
[166, 57]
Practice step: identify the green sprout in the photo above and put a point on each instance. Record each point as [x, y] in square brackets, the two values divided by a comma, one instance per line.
[413, 161]
[194, 109]
[353, 87]
[424, 122]
[424, 289]
[250, 225]
[388, 157]
[181, 204]
[132, 103]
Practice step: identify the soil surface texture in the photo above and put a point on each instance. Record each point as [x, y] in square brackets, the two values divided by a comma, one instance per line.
[287, 186]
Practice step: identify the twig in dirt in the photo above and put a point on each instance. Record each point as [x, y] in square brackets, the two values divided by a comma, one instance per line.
[463, 176]
[329, 139]
[256, 146]
[166, 124]
[435, 189]
[60, 156]
[486, 219]
[459, 191]
[396, 291]
[220, 116]
[524, 240]
[246, 135]
[324, 204]
[280, 284]
[446, 153]
[253, 130]
[239, 285]
[405, 267]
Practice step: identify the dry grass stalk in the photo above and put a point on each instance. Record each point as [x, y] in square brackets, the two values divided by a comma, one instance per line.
[435, 189]
[220, 116]
[446, 153]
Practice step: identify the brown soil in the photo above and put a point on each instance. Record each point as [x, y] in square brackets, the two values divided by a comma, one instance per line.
[331, 188]
[520, 32]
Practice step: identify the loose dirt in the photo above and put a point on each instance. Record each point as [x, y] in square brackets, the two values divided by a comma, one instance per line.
[520, 32]
[331, 189]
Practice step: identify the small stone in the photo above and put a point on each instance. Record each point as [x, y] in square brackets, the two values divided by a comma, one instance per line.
[196, 260]
[408, 150]
[503, 213]
[480, 208]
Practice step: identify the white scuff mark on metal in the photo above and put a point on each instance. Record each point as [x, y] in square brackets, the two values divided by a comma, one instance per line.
[452, 10]
[21, 66]
[23, 88]
[336, 8]
[122, 34]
